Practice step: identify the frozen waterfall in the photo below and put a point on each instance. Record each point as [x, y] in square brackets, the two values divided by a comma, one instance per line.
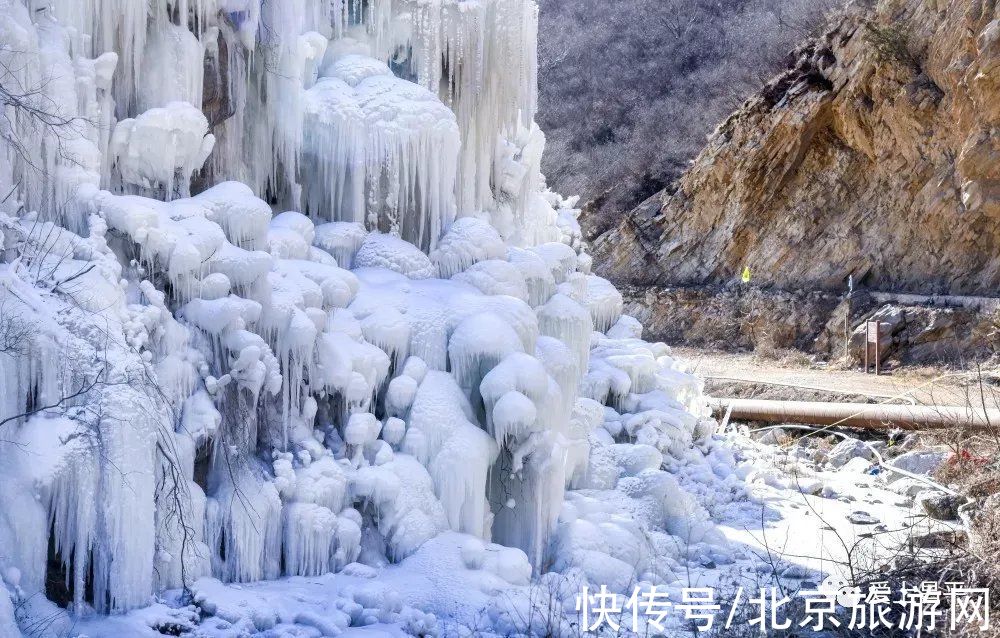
[295, 300]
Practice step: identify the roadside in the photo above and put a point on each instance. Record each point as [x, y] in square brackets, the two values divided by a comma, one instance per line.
[814, 326]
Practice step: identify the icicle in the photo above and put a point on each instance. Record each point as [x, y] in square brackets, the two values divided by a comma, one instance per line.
[481, 59]
[309, 539]
[462, 452]
[172, 67]
[114, 25]
[563, 367]
[70, 497]
[182, 556]
[563, 318]
[243, 524]
[379, 150]
[478, 344]
[532, 468]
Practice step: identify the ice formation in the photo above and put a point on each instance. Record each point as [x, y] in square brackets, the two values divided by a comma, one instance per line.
[292, 299]
[379, 150]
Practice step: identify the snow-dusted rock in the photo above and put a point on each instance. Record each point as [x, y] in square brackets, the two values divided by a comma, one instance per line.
[846, 450]
[923, 462]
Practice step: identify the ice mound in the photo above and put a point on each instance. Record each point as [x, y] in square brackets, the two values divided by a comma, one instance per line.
[395, 254]
[468, 242]
[162, 148]
[496, 277]
[341, 240]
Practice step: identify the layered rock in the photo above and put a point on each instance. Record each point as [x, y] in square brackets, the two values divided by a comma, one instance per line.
[875, 154]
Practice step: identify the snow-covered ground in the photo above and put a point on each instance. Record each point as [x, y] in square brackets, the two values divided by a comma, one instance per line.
[296, 342]
[824, 512]
[802, 523]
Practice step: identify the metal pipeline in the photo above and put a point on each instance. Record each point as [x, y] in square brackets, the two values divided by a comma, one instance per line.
[858, 415]
[816, 388]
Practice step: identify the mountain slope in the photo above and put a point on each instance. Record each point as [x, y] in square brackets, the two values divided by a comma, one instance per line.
[875, 154]
[611, 76]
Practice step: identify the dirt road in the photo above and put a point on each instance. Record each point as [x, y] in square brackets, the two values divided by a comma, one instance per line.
[748, 375]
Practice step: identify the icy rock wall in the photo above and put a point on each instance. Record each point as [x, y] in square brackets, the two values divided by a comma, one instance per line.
[248, 391]
[84, 477]
[266, 77]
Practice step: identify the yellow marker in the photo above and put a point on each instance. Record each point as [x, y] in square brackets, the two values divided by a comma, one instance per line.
[746, 274]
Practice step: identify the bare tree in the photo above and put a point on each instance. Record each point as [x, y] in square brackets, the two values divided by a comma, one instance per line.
[28, 108]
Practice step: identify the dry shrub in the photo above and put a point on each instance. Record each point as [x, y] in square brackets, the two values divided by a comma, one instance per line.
[893, 43]
[965, 468]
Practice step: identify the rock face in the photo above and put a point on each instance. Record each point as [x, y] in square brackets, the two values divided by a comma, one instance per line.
[876, 154]
[916, 329]
[717, 317]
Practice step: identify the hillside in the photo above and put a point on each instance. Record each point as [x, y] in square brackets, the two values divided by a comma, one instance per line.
[875, 154]
[610, 78]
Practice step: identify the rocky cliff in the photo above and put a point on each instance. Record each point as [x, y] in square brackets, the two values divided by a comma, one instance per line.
[875, 154]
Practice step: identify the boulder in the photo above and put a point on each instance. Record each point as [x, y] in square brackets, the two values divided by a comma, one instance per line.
[922, 462]
[943, 539]
[892, 321]
[942, 507]
[862, 518]
[846, 450]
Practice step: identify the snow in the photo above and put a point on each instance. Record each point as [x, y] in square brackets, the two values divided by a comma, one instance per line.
[468, 242]
[334, 362]
[459, 576]
[7, 623]
[392, 253]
